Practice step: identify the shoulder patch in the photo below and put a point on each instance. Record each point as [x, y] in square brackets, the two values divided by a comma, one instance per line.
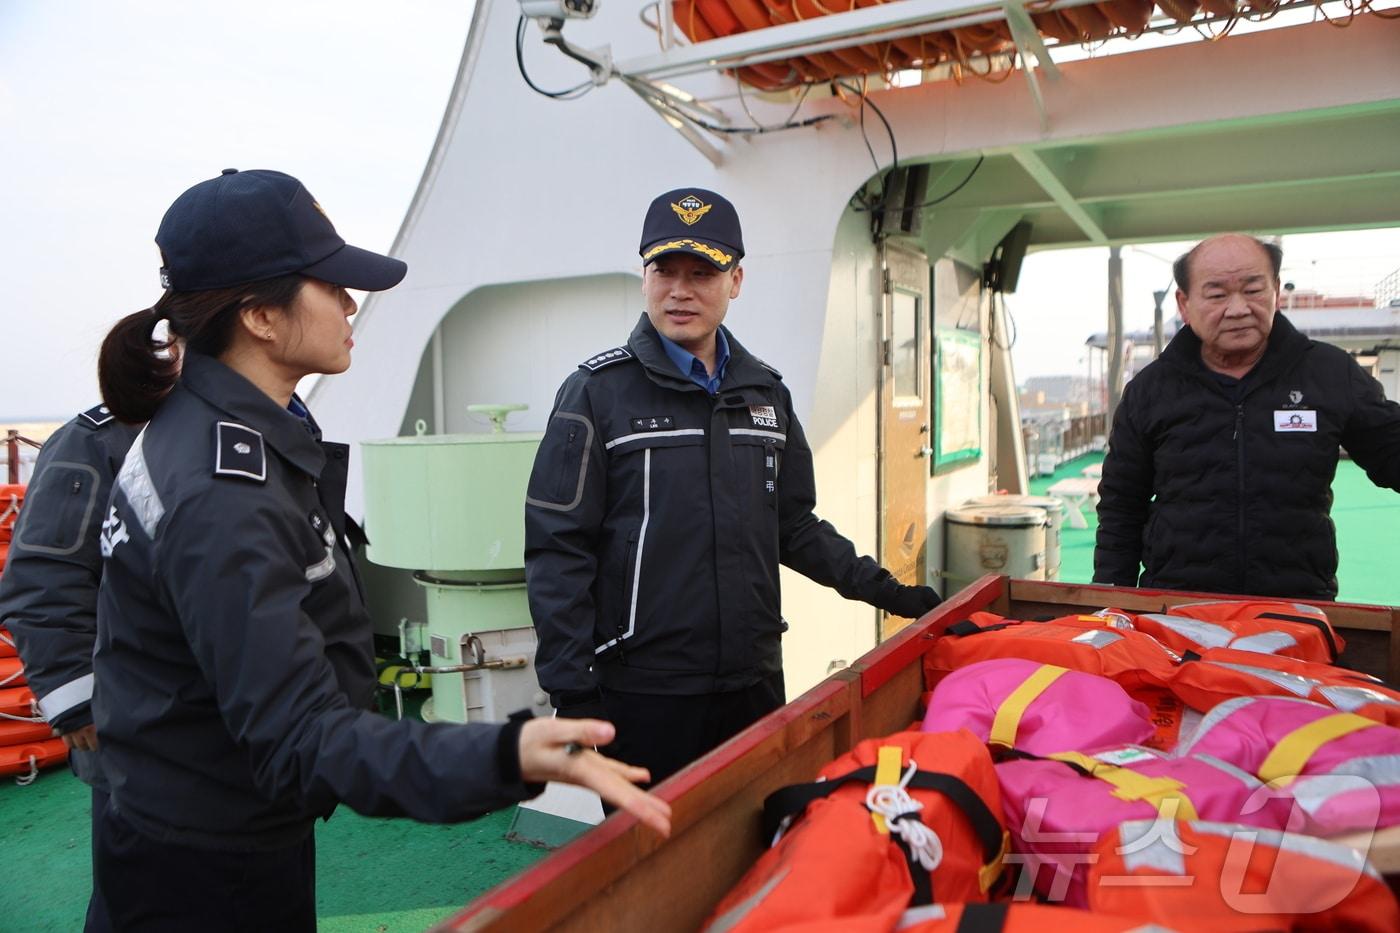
[606, 358]
[239, 451]
[96, 416]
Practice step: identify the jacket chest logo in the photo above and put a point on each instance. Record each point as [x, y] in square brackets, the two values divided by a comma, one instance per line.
[1295, 397]
[654, 423]
[764, 416]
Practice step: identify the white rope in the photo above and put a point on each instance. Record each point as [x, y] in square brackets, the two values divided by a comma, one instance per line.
[24, 780]
[15, 718]
[17, 674]
[11, 509]
[893, 802]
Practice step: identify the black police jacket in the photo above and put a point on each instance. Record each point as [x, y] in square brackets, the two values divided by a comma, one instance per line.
[48, 593]
[234, 661]
[1209, 492]
[656, 518]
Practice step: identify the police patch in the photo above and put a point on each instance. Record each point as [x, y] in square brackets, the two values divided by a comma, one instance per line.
[606, 358]
[657, 423]
[764, 416]
[239, 451]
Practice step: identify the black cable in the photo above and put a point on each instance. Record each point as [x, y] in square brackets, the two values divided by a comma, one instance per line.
[572, 93]
[961, 185]
[871, 203]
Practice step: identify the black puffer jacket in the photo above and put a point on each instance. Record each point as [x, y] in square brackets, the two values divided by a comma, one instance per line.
[1210, 492]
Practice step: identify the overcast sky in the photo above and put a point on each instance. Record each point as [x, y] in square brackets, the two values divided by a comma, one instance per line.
[108, 110]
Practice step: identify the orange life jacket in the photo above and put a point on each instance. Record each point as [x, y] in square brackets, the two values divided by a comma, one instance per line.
[857, 847]
[1091, 644]
[1218, 674]
[1293, 630]
[1220, 876]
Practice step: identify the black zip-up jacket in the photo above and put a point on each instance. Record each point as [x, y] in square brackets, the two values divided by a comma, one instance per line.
[48, 593]
[234, 663]
[1209, 491]
[655, 521]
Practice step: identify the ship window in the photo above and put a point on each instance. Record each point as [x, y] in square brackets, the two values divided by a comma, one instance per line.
[905, 313]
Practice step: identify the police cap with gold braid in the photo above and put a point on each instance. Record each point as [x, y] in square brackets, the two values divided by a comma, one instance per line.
[695, 221]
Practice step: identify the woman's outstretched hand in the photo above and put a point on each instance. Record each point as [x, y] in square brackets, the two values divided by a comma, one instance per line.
[563, 750]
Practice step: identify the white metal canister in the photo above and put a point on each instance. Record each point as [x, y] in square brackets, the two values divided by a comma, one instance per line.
[1001, 539]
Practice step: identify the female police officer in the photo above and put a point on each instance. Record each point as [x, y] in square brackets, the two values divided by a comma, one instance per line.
[233, 663]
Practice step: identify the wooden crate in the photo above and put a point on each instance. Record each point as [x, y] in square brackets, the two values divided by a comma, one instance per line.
[621, 877]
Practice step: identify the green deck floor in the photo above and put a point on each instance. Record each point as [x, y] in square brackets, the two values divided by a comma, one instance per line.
[1367, 520]
[392, 876]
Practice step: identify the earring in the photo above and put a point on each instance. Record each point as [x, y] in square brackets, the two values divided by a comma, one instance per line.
[267, 336]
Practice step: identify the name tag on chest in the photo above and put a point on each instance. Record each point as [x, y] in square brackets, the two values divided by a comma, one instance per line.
[1286, 422]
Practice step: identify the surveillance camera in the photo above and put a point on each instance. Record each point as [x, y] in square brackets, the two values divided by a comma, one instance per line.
[558, 9]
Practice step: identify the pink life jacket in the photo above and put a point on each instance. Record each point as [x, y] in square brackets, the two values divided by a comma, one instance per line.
[1037, 708]
[1343, 770]
[1293, 630]
[1059, 807]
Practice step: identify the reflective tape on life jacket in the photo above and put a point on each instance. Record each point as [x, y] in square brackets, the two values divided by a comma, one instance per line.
[1038, 708]
[1268, 626]
[940, 837]
[1294, 744]
[1202, 875]
[1210, 677]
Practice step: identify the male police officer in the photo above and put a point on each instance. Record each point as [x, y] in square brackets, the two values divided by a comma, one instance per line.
[672, 481]
[48, 594]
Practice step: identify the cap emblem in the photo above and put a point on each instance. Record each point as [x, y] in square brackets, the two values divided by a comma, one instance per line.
[690, 209]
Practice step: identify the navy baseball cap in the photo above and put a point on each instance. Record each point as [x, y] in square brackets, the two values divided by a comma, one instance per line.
[696, 221]
[250, 226]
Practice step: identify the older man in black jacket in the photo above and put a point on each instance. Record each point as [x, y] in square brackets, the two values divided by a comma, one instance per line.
[1221, 459]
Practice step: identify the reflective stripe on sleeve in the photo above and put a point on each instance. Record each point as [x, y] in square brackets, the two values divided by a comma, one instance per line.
[57, 702]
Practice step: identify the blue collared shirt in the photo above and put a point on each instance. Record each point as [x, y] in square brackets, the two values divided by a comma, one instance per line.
[690, 366]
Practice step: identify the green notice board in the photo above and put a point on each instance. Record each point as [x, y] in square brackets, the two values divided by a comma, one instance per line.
[957, 420]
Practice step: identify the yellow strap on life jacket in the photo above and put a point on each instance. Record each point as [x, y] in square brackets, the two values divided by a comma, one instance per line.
[1291, 754]
[1009, 713]
[889, 761]
[1166, 794]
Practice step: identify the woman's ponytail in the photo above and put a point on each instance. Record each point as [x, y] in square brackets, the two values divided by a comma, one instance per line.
[135, 371]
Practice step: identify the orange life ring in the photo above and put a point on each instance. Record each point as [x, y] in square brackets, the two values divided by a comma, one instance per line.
[7, 644]
[18, 701]
[1131, 16]
[14, 732]
[29, 758]
[12, 673]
